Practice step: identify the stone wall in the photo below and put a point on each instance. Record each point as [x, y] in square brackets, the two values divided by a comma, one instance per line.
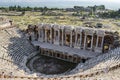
[75, 37]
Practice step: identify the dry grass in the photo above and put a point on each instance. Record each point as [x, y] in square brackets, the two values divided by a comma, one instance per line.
[36, 18]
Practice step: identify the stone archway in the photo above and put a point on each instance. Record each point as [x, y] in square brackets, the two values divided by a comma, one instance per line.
[67, 40]
[108, 43]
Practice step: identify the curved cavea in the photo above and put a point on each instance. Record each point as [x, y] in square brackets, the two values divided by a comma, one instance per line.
[16, 50]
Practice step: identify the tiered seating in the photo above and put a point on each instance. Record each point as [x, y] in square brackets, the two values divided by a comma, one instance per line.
[14, 45]
[101, 63]
[4, 42]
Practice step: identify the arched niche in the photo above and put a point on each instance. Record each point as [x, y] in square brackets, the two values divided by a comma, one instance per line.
[108, 43]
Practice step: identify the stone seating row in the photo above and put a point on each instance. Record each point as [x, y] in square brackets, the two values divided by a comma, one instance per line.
[18, 46]
[102, 62]
[18, 50]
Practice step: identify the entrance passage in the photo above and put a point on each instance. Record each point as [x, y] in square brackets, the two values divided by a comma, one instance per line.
[48, 65]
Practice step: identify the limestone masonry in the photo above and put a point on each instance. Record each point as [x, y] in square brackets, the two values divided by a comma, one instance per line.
[95, 50]
[71, 43]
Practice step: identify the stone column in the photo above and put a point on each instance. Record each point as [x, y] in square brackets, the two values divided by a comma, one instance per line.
[58, 37]
[65, 39]
[92, 42]
[50, 35]
[97, 41]
[85, 38]
[80, 39]
[102, 42]
[62, 37]
[33, 36]
[76, 39]
[71, 39]
[54, 35]
[39, 35]
[45, 36]
[42, 34]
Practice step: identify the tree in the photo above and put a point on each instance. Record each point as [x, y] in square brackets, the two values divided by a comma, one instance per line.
[45, 8]
[28, 8]
[23, 13]
[118, 11]
[18, 8]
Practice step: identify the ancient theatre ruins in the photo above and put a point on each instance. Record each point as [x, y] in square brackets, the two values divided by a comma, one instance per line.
[74, 44]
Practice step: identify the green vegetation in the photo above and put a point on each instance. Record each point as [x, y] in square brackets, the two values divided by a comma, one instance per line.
[110, 14]
[90, 11]
[36, 18]
[19, 8]
[77, 16]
